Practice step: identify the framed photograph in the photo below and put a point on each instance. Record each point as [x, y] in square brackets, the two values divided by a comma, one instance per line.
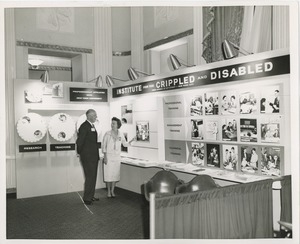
[270, 101]
[142, 131]
[248, 102]
[58, 90]
[249, 159]
[230, 157]
[211, 103]
[270, 130]
[198, 153]
[126, 114]
[228, 104]
[212, 130]
[197, 129]
[271, 161]
[248, 130]
[229, 129]
[196, 106]
[124, 149]
[213, 155]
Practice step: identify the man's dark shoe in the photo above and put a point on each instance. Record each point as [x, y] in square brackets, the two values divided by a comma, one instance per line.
[88, 202]
[95, 199]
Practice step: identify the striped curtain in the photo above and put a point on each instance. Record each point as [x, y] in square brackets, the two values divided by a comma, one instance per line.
[237, 211]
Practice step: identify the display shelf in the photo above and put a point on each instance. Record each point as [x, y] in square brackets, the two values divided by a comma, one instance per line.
[64, 107]
[236, 177]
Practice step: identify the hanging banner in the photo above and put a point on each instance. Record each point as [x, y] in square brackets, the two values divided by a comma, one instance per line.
[88, 94]
[244, 71]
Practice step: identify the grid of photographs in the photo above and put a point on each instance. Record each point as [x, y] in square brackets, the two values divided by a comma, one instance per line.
[250, 119]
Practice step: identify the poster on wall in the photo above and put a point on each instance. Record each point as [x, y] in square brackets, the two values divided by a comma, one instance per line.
[174, 106]
[142, 131]
[212, 130]
[175, 128]
[197, 129]
[33, 96]
[126, 114]
[175, 151]
[249, 159]
[124, 149]
[270, 101]
[61, 127]
[213, 155]
[270, 130]
[31, 127]
[230, 157]
[198, 153]
[229, 129]
[248, 130]
[270, 161]
[228, 102]
[248, 102]
[196, 106]
[58, 90]
[211, 103]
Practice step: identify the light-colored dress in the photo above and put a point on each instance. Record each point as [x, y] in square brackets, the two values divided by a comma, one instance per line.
[112, 147]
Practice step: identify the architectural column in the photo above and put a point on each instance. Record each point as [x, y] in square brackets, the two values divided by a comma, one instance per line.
[10, 75]
[198, 36]
[281, 28]
[103, 42]
[137, 38]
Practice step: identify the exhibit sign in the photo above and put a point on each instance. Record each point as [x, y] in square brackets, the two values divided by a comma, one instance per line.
[62, 147]
[243, 71]
[88, 94]
[32, 148]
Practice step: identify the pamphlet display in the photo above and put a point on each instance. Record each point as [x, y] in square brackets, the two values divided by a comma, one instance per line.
[31, 127]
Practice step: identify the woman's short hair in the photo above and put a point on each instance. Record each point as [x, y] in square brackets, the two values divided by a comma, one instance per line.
[118, 121]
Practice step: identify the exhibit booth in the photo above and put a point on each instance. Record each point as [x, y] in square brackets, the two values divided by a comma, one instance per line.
[229, 119]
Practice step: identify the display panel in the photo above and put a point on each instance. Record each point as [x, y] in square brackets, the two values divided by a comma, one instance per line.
[61, 127]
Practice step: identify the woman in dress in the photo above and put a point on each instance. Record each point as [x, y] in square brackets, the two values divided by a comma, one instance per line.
[111, 149]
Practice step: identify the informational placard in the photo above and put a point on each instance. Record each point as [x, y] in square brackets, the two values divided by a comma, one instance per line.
[174, 106]
[32, 148]
[175, 151]
[88, 94]
[175, 128]
[243, 71]
[62, 147]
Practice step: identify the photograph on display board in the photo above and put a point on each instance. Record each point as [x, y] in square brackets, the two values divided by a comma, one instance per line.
[249, 159]
[248, 130]
[33, 96]
[58, 90]
[142, 131]
[211, 103]
[269, 102]
[198, 153]
[229, 129]
[213, 155]
[270, 130]
[230, 157]
[126, 114]
[211, 130]
[248, 102]
[228, 103]
[124, 149]
[270, 161]
[197, 129]
[196, 106]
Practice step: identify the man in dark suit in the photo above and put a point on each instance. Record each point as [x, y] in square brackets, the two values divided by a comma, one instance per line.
[87, 148]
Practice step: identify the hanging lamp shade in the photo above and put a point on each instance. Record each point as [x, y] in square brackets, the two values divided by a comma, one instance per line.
[132, 74]
[175, 62]
[45, 77]
[99, 81]
[229, 50]
[109, 81]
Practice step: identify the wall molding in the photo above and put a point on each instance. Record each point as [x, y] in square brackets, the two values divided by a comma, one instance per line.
[53, 47]
[50, 67]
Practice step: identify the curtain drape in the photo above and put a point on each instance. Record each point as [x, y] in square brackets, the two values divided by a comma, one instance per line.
[286, 199]
[238, 211]
[220, 23]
